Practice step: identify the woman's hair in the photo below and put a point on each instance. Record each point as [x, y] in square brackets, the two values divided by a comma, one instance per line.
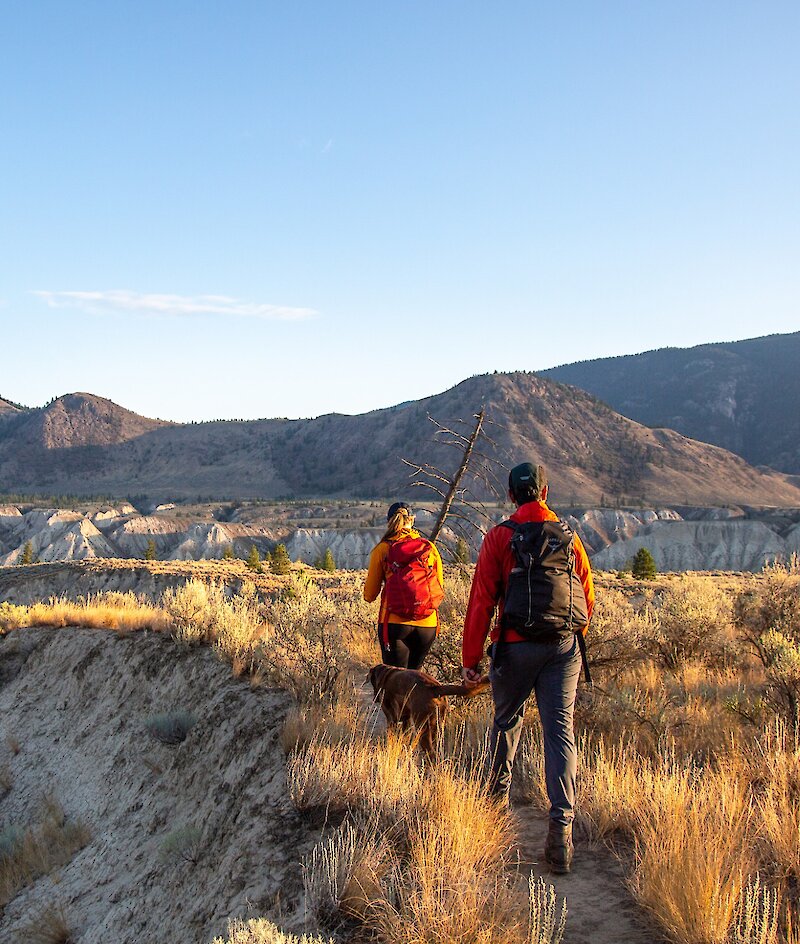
[400, 521]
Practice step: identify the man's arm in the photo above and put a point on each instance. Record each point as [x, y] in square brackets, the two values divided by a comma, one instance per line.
[487, 586]
[584, 571]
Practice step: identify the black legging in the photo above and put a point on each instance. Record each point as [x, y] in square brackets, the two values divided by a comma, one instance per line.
[408, 645]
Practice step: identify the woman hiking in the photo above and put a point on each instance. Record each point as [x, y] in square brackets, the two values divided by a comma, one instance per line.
[406, 570]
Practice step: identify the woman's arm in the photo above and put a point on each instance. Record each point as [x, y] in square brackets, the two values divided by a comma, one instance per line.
[374, 581]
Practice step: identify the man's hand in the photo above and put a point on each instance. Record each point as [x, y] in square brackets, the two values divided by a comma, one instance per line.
[471, 676]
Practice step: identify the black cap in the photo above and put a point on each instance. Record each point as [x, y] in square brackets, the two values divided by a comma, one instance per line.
[398, 506]
[527, 479]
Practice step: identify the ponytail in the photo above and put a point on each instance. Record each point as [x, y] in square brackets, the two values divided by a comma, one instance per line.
[397, 523]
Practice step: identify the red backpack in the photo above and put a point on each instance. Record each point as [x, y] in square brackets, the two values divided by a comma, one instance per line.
[413, 589]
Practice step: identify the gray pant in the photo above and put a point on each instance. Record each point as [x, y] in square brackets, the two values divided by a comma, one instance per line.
[551, 670]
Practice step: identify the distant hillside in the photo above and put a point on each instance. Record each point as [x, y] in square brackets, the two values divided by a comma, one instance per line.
[7, 407]
[741, 395]
[84, 445]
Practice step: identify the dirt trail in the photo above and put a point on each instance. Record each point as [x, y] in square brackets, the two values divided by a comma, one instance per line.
[599, 908]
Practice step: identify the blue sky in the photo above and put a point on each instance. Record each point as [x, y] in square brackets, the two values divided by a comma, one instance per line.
[271, 209]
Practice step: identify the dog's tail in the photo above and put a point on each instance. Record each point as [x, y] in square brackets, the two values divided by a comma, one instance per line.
[462, 689]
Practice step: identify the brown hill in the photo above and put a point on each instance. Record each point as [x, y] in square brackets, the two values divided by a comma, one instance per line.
[82, 419]
[7, 408]
[90, 446]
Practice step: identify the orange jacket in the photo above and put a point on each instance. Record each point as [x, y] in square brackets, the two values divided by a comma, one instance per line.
[489, 583]
[376, 578]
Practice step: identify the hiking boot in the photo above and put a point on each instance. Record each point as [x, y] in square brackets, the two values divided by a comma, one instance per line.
[558, 848]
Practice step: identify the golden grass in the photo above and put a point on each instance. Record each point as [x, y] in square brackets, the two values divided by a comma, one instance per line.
[778, 806]
[261, 931]
[426, 856]
[121, 612]
[677, 765]
[692, 857]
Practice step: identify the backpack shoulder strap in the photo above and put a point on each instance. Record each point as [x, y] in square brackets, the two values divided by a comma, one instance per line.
[508, 523]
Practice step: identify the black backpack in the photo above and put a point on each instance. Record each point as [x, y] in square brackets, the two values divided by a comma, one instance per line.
[544, 594]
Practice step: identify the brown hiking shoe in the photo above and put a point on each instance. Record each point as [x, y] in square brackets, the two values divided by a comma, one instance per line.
[558, 848]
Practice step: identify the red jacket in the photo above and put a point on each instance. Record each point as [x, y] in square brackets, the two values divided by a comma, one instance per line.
[489, 583]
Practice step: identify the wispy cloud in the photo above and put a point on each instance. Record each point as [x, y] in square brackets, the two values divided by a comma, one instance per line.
[328, 146]
[177, 305]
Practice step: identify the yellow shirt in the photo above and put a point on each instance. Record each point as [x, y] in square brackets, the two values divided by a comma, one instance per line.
[376, 577]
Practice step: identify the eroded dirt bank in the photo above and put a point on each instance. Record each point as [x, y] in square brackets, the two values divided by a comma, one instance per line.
[183, 836]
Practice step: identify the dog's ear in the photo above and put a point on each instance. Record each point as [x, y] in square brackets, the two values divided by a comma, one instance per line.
[373, 676]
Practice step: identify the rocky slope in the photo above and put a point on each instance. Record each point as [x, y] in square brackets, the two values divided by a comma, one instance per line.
[593, 454]
[740, 395]
[680, 538]
[181, 837]
[704, 545]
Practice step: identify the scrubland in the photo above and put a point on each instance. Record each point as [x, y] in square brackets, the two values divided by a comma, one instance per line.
[689, 757]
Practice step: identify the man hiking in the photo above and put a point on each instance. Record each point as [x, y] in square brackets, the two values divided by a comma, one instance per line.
[535, 571]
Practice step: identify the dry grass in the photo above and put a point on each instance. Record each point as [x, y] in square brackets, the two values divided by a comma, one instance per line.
[49, 927]
[28, 854]
[121, 612]
[261, 931]
[681, 768]
[400, 865]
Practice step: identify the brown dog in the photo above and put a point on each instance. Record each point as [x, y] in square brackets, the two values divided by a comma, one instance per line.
[416, 701]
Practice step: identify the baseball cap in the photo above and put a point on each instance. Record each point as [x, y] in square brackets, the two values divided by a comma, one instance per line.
[398, 506]
[527, 478]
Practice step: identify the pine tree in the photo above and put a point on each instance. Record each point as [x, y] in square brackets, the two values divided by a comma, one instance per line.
[281, 562]
[27, 553]
[643, 566]
[254, 559]
[150, 550]
[328, 563]
[227, 554]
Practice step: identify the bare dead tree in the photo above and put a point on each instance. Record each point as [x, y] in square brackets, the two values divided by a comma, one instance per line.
[460, 503]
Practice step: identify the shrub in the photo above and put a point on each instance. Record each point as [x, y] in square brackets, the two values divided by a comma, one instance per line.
[781, 657]
[307, 648]
[182, 844]
[691, 618]
[769, 617]
[618, 634]
[191, 609]
[171, 727]
[10, 838]
[12, 616]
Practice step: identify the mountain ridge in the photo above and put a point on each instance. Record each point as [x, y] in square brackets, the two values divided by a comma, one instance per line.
[740, 395]
[82, 444]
